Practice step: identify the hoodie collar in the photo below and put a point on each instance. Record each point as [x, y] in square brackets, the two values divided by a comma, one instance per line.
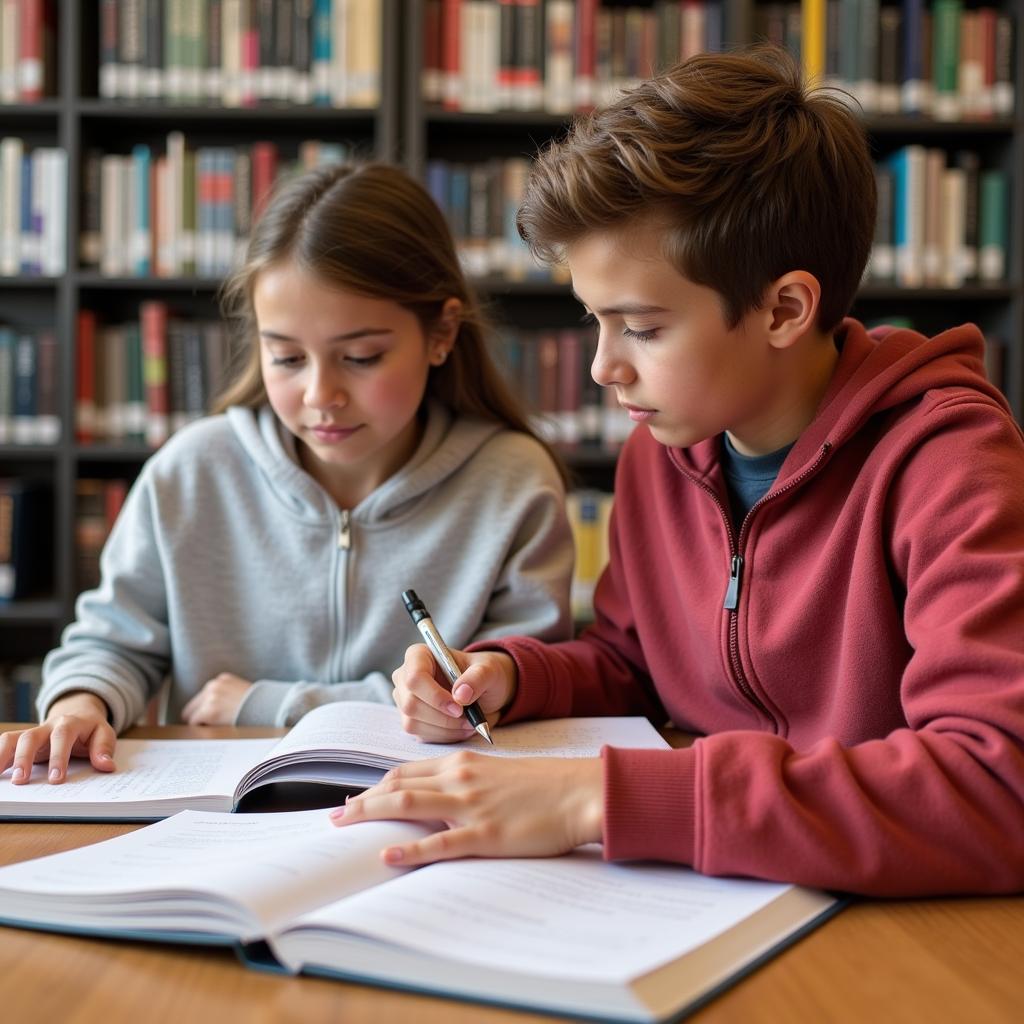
[447, 443]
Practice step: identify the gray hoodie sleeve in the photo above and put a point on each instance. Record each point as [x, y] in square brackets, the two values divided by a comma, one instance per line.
[272, 702]
[118, 647]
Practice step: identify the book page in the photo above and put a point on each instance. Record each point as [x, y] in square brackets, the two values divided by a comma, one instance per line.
[274, 865]
[575, 917]
[377, 729]
[147, 770]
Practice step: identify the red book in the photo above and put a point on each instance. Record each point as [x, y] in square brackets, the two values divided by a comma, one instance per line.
[154, 371]
[450, 62]
[30, 50]
[432, 82]
[264, 171]
[250, 61]
[585, 53]
[85, 378]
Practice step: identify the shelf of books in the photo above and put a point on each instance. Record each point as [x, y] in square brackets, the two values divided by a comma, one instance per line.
[140, 138]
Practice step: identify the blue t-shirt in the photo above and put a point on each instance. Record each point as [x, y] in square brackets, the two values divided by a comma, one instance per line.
[748, 478]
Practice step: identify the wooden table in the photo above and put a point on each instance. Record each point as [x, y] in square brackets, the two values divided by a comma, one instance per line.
[907, 961]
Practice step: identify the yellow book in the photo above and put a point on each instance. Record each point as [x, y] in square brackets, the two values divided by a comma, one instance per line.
[812, 46]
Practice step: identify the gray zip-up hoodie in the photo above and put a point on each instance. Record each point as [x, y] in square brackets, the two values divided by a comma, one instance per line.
[229, 557]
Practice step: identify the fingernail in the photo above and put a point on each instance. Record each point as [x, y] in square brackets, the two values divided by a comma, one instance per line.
[18, 774]
[338, 812]
[453, 709]
[463, 693]
[54, 774]
[105, 758]
[394, 855]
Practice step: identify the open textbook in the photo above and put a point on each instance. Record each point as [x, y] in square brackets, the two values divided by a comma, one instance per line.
[348, 744]
[574, 934]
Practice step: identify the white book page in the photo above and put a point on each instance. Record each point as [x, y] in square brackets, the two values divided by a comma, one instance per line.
[275, 865]
[574, 917]
[147, 770]
[376, 729]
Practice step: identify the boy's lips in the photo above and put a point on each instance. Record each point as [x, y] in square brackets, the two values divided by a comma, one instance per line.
[638, 413]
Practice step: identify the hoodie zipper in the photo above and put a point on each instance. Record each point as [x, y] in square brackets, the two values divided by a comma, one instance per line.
[344, 549]
[736, 563]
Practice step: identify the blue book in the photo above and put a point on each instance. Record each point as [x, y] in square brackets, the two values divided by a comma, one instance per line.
[322, 17]
[141, 227]
[914, 88]
[25, 388]
[29, 242]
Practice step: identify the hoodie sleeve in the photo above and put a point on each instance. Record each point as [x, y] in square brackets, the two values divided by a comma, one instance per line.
[603, 672]
[118, 647]
[282, 703]
[935, 807]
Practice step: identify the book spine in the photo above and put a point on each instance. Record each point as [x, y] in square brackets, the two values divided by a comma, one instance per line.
[7, 344]
[1003, 100]
[110, 68]
[213, 63]
[813, 48]
[302, 49]
[945, 59]
[12, 152]
[153, 317]
[993, 218]
[969, 163]
[558, 64]
[26, 368]
[153, 50]
[30, 56]
[47, 423]
[85, 377]
[882, 266]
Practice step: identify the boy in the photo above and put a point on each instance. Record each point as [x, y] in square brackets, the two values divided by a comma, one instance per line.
[817, 550]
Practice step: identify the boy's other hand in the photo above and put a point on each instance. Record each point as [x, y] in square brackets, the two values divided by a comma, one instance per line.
[76, 726]
[431, 712]
[217, 703]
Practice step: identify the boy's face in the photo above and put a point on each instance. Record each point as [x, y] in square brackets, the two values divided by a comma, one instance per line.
[666, 349]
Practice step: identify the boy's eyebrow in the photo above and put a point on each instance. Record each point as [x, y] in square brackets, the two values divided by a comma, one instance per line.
[363, 332]
[628, 308]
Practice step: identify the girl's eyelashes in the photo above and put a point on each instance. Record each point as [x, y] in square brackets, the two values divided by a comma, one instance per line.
[364, 360]
[292, 361]
[284, 360]
[639, 335]
[588, 319]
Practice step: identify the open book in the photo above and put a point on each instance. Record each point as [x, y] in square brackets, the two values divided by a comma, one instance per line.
[571, 934]
[348, 744]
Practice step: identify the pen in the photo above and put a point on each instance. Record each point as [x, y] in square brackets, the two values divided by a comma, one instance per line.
[439, 649]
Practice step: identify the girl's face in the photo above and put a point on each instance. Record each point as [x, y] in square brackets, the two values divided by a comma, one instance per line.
[345, 374]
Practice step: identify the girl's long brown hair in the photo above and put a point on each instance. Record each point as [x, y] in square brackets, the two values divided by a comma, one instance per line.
[373, 230]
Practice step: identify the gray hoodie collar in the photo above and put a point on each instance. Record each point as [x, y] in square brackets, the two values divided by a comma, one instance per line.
[447, 444]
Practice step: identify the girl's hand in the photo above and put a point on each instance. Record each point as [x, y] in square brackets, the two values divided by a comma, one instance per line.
[431, 712]
[493, 806]
[76, 726]
[217, 703]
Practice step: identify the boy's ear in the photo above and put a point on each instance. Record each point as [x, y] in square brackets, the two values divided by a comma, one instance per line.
[791, 307]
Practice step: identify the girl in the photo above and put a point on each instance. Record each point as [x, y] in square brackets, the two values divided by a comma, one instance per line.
[367, 446]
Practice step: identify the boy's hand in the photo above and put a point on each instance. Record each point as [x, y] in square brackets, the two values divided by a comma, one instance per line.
[431, 712]
[217, 703]
[76, 726]
[493, 806]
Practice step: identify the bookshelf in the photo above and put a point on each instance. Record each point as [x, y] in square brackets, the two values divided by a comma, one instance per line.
[402, 127]
[75, 118]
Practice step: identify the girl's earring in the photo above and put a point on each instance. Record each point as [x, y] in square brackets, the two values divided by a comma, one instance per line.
[440, 358]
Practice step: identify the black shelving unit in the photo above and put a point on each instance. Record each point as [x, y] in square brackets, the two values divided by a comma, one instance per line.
[402, 129]
[74, 120]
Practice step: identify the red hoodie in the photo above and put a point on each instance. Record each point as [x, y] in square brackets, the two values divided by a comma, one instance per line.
[852, 655]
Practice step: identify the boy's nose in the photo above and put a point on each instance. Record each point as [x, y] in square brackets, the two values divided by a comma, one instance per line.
[609, 367]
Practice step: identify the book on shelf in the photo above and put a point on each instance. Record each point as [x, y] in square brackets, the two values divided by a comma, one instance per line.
[343, 746]
[944, 60]
[550, 372]
[139, 382]
[560, 56]
[941, 221]
[574, 935]
[97, 505]
[26, 538]
[181, 212]
[33, 214]
[589, 512]
[241, 53]
[29, 413]
[27, 50]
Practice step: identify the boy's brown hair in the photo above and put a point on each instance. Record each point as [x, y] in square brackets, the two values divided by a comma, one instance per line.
[752, 174]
